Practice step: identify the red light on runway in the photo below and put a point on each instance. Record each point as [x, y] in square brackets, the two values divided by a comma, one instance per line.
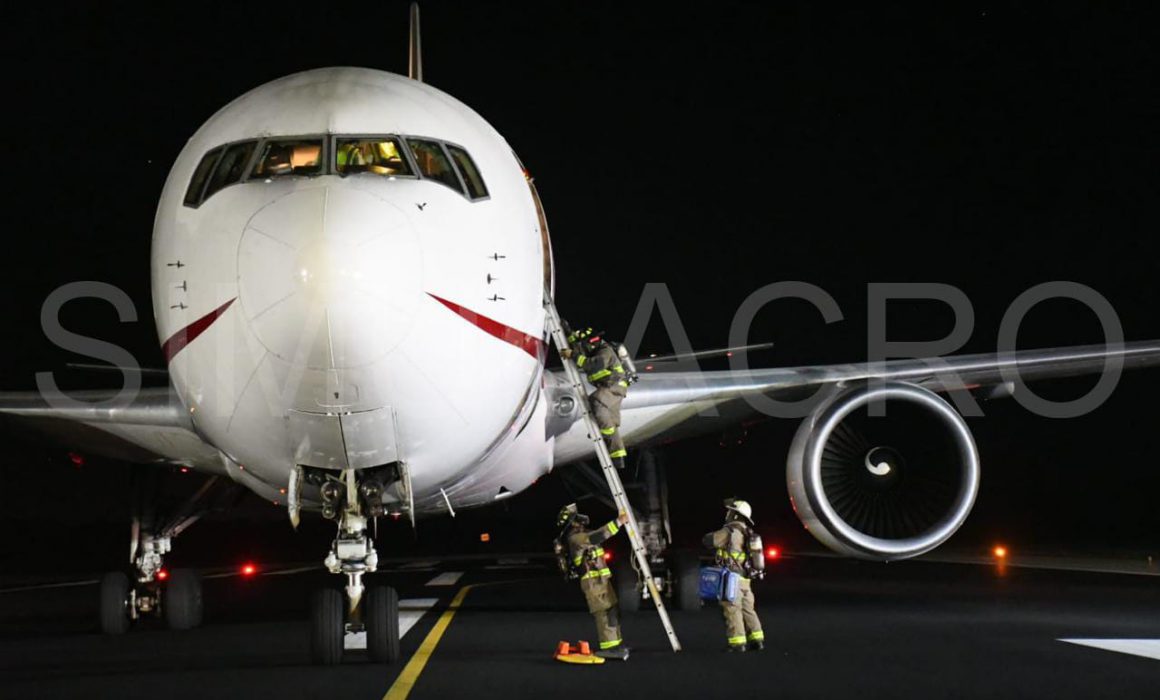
[608, 556]
[162, 575]
[772, 553]
[76, 459]
[249, 570]
[1000, 552]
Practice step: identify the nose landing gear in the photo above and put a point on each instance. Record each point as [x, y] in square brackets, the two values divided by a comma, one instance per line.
[373, 612]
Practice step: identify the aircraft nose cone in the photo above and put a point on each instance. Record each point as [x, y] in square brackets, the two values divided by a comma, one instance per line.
[329, 277]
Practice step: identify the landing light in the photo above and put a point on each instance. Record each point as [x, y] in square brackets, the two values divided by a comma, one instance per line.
[485, 537]
[249, 570]
[1000, 552]
[162, 575]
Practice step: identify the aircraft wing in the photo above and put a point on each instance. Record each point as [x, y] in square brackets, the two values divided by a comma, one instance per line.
[152, 427]
[665, 406]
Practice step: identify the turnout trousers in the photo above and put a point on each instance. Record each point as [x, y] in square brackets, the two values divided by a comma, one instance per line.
[741, 622]
[604, 606]
[605, 404]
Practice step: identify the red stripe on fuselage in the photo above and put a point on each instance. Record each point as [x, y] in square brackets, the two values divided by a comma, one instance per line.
[529, 344]
[186, 335]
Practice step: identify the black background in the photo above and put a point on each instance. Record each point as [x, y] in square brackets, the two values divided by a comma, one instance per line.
[723, 147]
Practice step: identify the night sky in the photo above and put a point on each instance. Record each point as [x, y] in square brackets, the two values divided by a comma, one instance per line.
[988, 147]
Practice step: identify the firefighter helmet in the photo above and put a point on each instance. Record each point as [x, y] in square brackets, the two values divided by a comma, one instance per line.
[566, 514]
[586, 337]
[741, 508]
[569, 515]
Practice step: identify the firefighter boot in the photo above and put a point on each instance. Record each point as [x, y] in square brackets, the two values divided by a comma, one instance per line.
[618, 653]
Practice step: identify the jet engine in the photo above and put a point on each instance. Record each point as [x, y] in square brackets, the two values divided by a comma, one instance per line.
[883, 470]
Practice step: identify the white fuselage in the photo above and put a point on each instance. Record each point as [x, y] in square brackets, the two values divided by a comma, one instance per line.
[350, 322]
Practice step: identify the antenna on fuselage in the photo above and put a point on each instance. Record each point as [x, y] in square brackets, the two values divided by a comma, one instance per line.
[415, 49]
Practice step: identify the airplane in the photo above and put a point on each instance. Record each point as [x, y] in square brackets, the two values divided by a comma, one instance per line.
[349, 275]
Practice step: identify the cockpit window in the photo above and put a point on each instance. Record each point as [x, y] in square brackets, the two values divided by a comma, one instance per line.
[197, 184]
[381, 156]
[433, 163]
[289, 157]
[390, 156]
[470, 173]
[231, 167]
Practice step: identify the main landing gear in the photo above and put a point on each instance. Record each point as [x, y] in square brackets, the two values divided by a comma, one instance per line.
[349, 498]
[152, 591]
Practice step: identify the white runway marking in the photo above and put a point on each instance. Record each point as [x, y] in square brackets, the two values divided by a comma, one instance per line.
[288, 572]
[1148, 648]
[44, 586]
[418, 565]
[354, 640]
[410, 610]
[447, 578]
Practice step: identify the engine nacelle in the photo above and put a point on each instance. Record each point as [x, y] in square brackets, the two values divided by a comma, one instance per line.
[886, 484]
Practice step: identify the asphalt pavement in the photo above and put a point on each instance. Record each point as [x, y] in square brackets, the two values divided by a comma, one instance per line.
[834, 629]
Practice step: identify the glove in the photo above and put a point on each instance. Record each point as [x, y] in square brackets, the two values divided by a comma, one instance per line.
[566, 353]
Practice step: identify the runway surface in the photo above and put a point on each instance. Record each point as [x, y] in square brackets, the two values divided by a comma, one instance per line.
[835, 629]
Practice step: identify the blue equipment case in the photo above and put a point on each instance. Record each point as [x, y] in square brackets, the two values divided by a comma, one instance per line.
[719, 583]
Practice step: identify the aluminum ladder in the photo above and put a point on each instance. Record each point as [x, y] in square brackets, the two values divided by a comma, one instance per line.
[610, 471]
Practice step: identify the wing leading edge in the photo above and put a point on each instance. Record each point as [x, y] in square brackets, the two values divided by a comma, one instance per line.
[671, 405]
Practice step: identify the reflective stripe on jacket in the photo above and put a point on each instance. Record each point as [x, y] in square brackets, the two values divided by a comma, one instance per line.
[730, 545]
[586, 553]
[603, 367]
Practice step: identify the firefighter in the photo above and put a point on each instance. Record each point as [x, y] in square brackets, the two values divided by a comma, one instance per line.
[586, 557]
[731, 545]
[598, 359]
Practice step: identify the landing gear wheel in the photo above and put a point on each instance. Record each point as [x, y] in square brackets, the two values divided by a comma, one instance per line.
[625, 579]
[686, 571]
[181, 600]
[381, 617]
[327, 626]
[114, 603]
